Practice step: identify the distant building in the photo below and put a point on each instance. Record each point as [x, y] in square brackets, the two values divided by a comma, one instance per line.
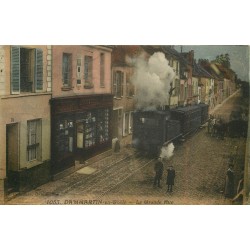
[186, 96]
[205, 85]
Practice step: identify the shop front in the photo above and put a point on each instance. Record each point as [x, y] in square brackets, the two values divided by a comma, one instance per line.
[81, 129]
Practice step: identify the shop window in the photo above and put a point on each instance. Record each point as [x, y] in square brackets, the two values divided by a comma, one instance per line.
[67, 70]
[34, 137]
[26, 70]
[103, 125]
[90, 130]
[86, 130]
[65, 135]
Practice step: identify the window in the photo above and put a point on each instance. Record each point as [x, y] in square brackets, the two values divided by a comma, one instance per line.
[92, 128]
[182, 92]
[130, 122]
[130, 90]
[26, 70]
[177, 87]
[88, 67]
[78, 71]
[118, 84]
[185, 92]
[171, 62]
[103, 125]
[102, 69]
[126, 124]
[67, 70]
[189, 91]
[64, 135]
[34, 135]
[177, 68]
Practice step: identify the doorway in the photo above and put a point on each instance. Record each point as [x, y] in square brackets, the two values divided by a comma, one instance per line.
[12, 156]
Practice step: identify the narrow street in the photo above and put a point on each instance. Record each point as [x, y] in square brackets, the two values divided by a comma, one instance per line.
[127, 177]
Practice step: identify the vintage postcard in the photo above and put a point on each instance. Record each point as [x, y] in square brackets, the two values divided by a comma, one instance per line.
[124, 124]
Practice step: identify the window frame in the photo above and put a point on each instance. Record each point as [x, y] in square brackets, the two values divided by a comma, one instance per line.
[36, 144]
[118, 82]
[102, 69]
[67, 65]
[88, 71]
[35, 74]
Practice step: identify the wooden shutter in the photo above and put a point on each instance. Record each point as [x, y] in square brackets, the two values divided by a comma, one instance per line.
[122, 83]
[118, 84]
[114, 83]
[15, 70]
[39, 70]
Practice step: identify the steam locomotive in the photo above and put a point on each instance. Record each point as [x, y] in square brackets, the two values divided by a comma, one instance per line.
[153, 129]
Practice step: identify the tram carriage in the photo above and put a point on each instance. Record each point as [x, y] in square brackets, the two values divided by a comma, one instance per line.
[153, 129]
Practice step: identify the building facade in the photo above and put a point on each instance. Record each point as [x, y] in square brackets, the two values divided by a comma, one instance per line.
[81, 104]
[25, 91]
[187, 88]
[123, 91]
[174, 61]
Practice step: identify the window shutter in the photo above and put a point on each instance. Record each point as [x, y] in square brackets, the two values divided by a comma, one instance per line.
[122, 84]
[15, 70]
[39, 70]
[114, 83]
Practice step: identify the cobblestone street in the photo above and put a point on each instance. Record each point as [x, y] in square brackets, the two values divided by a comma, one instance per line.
[127, 178]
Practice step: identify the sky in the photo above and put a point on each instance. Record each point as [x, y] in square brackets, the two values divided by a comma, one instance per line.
[239, 56]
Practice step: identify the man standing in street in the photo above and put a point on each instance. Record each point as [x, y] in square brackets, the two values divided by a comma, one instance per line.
[229, 187]
[170, 178]
[158, 172]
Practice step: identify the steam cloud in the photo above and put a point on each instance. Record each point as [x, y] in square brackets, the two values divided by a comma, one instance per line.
[167, 151]
[152, 80]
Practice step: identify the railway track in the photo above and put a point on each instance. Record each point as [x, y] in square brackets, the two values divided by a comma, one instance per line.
[105, 179]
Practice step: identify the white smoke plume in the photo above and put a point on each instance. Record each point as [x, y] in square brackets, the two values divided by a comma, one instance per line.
[152, 80]
[167, 151]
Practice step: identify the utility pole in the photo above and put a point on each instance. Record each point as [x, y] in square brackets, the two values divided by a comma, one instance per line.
[170, 93]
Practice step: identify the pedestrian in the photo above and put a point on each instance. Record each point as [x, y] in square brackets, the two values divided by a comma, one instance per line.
[229, 186]
[170, 178]
[209, 125]
[213, 127]
[117, 146]
[158, 172]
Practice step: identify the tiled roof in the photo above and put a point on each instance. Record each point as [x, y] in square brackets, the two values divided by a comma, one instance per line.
[198, 70]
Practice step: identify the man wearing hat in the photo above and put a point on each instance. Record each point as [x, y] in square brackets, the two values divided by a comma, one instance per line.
[170, 178]
[158, 172]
